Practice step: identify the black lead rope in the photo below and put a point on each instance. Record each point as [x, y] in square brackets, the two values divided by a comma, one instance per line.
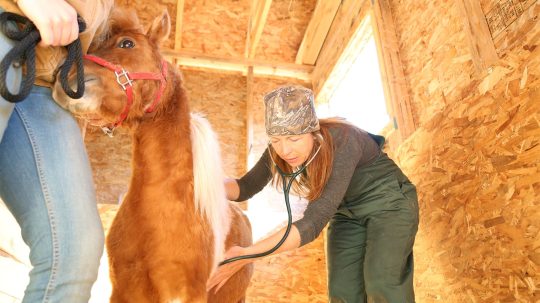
[25, 51]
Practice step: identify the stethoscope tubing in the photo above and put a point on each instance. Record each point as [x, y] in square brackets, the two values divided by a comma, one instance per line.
[286, 190]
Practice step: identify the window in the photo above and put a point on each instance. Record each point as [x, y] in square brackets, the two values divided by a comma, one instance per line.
[354, 90]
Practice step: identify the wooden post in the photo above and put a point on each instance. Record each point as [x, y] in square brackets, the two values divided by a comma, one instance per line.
[394, 82]
[249, 111]
[249, 122]
[178, 26]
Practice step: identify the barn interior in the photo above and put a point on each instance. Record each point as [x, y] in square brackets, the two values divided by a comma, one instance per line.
[458, 84]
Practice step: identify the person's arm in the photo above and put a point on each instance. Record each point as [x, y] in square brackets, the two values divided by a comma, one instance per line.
[232, 189]
[56, 20]
[252, 182]
[224, 272]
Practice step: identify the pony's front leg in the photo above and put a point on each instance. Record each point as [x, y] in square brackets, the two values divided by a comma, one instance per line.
[173, 287]
[130, 286]
[117, 298]
[128, 296]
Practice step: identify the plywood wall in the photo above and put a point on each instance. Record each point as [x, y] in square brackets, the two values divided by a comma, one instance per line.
[222, 99]
[475, 157]
[284, 29]
[219, 27]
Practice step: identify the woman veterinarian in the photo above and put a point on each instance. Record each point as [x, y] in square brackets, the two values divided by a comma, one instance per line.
[370, 205]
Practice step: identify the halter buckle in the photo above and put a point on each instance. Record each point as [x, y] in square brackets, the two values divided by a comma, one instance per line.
[109, 131]
[121, 81]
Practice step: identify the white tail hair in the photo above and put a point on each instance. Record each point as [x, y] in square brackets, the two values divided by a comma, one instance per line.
[209, 189]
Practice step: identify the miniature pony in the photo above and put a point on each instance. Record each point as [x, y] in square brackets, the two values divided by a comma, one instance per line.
[174, 223]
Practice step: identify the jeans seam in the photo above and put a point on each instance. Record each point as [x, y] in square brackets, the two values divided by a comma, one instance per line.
[46, 195]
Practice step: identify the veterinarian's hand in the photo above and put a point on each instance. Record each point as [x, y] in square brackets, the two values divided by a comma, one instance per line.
[224, 272]
[56, 20]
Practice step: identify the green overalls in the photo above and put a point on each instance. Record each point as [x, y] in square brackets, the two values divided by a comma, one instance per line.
[370, 238]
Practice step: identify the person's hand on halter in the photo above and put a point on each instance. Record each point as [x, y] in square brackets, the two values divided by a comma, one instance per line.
[224, 272]
[56, 20]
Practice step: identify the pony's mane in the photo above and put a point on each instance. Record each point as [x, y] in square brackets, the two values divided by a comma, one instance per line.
[209, 189]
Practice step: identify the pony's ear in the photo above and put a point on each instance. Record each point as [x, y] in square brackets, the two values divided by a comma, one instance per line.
[160, 28]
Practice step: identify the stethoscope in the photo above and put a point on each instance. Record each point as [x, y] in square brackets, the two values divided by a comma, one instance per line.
[286, 189]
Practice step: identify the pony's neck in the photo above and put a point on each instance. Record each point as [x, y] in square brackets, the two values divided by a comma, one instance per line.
[162, 148]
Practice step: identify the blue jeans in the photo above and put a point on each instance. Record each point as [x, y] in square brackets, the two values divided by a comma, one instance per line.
[46, 182]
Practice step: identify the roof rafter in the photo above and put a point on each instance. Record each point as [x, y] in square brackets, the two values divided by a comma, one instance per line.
[317, 30]
[257, 20]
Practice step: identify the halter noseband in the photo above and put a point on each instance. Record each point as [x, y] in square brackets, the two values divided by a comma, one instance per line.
[125, 79]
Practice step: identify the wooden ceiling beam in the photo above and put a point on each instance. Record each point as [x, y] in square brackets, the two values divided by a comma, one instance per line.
[317, 30]
[257, 20]
[221, 64]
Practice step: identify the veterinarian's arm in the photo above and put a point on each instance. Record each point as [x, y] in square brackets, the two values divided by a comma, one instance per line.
[255, 179]
[224, 272]
[292, 242]
[232, 189]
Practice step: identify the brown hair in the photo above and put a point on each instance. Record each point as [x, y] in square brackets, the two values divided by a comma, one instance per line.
[311, 183]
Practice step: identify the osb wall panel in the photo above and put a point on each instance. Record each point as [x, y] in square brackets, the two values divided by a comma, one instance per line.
[297, 276]
[216, 27]
[284, 29]
[222, 99]
[475, 159]
[435, 54]
[219, 27]
[212, 27]
[110, 159]
[501, 15]
[508, 23]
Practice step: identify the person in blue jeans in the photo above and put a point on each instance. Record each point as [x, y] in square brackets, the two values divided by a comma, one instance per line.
[45, 176]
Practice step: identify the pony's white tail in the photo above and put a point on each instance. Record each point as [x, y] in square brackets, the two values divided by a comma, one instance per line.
[209, 189]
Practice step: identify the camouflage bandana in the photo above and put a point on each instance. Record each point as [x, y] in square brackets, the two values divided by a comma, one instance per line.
[290, 111]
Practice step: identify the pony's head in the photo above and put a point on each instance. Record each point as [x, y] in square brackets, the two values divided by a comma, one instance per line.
[125, 75]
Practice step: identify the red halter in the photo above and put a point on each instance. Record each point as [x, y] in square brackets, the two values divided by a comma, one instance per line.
[125, 79]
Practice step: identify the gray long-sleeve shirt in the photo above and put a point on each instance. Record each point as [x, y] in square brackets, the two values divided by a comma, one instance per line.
[352, 151]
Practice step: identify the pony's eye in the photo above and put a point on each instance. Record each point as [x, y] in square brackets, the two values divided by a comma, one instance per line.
[126, 43]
